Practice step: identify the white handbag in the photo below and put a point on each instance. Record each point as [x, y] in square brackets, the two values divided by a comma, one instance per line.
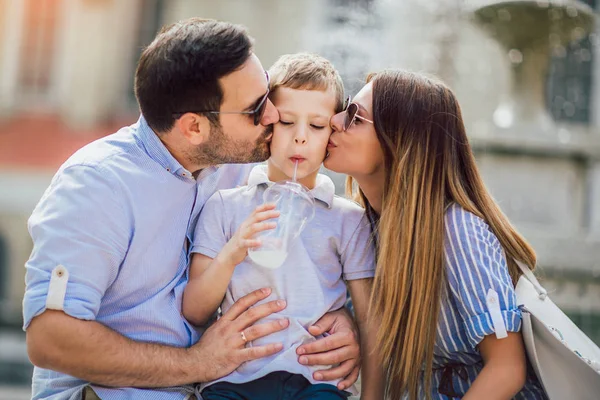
[565, 360]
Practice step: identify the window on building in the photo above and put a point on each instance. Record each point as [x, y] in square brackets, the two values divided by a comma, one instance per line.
[588, 323]
[346, 38]
[38, 45]
[569, 84]
[3, 6]
[3, 275]
[151, 20]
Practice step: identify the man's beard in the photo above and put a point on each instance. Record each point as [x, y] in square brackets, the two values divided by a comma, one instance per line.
[219, 149]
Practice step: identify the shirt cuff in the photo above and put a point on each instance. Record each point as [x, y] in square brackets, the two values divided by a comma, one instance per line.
[81, 301]
[204, 251]
[479, 326]
[352, 276]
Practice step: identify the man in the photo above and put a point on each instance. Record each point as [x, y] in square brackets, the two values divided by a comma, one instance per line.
[111, 234]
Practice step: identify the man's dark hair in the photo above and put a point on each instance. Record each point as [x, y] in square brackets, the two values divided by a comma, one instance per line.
[180, 70]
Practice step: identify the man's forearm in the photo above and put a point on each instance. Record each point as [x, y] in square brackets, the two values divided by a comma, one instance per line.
[90, 351]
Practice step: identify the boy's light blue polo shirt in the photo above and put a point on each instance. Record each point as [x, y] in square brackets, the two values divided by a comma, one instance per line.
[335, 246]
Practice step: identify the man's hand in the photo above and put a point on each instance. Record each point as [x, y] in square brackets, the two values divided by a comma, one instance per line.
[222, 348]
[341, 346]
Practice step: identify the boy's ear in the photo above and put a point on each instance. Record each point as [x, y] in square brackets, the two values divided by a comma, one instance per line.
[195, 128]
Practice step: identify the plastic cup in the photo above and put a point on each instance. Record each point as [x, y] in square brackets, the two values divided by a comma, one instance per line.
[297, 207]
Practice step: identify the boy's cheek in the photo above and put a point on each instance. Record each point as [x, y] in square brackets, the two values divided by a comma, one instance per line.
[276, 130]
[277, 139]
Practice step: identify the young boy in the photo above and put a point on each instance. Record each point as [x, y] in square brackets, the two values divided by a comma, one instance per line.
[334, 247]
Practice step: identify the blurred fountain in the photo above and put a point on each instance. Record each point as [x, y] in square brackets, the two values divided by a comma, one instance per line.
[529, 31]
[544, 171]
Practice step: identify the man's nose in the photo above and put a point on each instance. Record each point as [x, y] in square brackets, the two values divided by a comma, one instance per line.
[271, 115]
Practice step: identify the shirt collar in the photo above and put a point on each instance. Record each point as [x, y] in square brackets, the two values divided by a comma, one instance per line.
[157, 150]
[323, 191]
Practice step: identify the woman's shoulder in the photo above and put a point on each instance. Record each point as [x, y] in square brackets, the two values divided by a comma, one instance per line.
[457, 217]
[463, 227]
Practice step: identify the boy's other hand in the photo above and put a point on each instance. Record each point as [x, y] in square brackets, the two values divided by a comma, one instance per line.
[236, 249]
[340, 346]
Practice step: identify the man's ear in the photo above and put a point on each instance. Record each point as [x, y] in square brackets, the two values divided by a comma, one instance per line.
[195, 128]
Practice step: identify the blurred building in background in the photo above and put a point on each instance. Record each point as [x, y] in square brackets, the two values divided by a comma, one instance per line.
[66, 78]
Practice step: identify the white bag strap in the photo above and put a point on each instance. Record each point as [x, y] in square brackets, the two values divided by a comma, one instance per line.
[542, 293]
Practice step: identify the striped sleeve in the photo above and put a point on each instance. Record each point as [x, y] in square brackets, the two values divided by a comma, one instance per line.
[475, 263]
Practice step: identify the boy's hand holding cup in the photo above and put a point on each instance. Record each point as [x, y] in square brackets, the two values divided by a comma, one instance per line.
[236, 249]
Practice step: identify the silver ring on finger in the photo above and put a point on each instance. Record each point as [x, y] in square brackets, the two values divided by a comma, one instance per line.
[244, 337]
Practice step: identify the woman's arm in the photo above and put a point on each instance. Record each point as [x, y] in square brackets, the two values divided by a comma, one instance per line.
[372, 372]
[209, 278]
[504, 368]
[475, 267]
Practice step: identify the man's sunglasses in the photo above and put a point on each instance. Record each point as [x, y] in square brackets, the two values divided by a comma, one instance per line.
[258, 112]
[352, 114]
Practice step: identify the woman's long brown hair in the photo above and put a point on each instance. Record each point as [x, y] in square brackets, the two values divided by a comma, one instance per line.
[429, 165]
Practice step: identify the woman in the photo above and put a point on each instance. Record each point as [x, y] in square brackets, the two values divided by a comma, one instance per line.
[445, 250]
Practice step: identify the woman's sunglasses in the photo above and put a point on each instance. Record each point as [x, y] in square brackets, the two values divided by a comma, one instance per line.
[258, 111]
[352, 114]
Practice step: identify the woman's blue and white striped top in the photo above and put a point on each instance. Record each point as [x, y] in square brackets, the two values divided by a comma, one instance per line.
[475, 263]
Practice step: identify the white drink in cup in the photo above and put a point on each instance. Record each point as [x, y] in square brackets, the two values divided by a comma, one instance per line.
[268, 258]
[297, 207]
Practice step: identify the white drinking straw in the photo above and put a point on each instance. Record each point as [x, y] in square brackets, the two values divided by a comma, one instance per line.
[291, 202]
[295, 170]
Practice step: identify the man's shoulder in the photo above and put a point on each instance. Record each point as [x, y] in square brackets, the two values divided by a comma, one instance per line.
[112, 152]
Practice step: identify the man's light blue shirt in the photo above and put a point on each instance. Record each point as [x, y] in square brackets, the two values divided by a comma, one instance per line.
[116, 222]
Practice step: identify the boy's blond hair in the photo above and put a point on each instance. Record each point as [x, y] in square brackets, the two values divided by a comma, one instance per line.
[307, 71]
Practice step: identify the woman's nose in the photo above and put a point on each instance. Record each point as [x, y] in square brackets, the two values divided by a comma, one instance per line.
[337, 121]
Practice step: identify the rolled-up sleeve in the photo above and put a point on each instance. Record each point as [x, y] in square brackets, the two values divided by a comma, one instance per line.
[476, 265]
[80, 226]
